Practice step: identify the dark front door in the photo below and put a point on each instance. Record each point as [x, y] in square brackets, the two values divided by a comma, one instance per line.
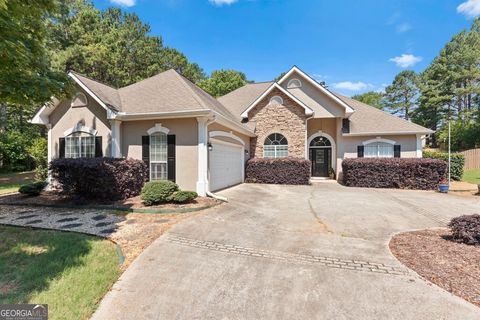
[320, 161]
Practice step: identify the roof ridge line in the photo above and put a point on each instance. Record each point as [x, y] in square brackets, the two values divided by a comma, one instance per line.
[89, 78]
[195, 95]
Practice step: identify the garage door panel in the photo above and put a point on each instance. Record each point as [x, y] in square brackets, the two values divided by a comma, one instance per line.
[226, 168]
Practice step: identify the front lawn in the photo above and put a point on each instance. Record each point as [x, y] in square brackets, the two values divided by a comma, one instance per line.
[472, 176]
[68, 271]
[9, 187]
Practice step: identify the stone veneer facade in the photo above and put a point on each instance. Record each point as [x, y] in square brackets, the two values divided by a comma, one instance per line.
[287, 119]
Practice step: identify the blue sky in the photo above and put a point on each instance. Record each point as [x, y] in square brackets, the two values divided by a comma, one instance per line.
[355, 46]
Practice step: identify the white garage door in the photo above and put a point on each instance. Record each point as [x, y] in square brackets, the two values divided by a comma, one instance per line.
[226, 165]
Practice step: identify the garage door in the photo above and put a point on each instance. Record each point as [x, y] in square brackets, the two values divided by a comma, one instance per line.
[226, 165]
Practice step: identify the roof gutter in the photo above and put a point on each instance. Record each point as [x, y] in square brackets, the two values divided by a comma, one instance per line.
[386, 133]
[130, 116]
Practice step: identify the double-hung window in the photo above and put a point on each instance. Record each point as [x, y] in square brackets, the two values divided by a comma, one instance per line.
[80, 145]
[379, 150]
[158, 156]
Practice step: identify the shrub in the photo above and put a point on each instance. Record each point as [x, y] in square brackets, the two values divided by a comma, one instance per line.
[100, 178]
[156, 192]
[33, 189]
[278, 171]
[457, 162]
[38, 152]
[183, 196]
[423, 174]
[466, 229]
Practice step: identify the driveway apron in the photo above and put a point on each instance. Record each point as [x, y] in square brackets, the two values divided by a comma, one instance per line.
[290, 252]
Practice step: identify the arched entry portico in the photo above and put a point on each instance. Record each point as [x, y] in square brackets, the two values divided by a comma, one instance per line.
[322, 154]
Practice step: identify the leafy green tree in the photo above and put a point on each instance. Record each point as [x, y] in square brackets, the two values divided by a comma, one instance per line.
[25, 73]
[401, 96]
[222, 82]
[372, 98]
[111, 46]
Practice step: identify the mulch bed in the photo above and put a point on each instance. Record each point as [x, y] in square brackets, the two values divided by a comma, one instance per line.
[54, 198]
[452, 266]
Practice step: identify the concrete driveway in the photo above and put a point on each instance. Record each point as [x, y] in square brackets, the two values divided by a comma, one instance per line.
[291, 252]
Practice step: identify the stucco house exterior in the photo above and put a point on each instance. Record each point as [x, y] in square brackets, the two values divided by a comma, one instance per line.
[202, 143]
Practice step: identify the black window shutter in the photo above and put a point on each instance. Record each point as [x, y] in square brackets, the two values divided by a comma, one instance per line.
[61, 148]
[146, 153]
[98, 147]
[346, 125]
[397, 151]
[171, 157]
[360, 151]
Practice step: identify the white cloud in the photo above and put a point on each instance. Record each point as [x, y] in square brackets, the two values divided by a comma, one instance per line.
[470, 8]
[124, 3]
[352, 86]
[222, 2]
[406, 60]
[403, 27]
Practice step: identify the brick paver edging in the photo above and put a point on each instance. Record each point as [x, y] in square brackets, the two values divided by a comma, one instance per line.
[330, 262]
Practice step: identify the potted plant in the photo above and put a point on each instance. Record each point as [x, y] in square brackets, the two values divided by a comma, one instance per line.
[443, 185]
[331, 173]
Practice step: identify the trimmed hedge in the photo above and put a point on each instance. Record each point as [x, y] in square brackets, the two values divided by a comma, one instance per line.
[100, 178]
[407, 173]
[183, 196]
[466, 229]
[156, 192]
[33, 189]
[457, 162]
[278, 171]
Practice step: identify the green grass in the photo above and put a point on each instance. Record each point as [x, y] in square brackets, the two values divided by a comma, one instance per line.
[10, 187]
[68, 271]
[472, 176]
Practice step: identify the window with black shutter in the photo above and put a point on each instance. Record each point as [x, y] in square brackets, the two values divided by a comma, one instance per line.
[146, 153]
[360, 151]
[171, 165]
[397, 150]
[346, 125]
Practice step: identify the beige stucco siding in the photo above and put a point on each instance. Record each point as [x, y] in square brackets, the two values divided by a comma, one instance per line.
[65, 117]
[347, 146]
[185, 131]
[322, 105]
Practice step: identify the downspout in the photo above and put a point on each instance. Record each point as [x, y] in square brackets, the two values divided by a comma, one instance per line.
[209, 193]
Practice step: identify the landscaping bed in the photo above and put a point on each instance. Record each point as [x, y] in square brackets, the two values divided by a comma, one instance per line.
[451, 265]
[70, 272]
[58, 199]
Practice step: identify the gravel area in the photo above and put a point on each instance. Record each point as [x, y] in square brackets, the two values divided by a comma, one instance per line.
[452, 266]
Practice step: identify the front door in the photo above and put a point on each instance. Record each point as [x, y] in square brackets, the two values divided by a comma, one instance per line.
[320, 158]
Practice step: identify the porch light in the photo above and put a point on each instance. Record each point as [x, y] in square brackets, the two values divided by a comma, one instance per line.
[246, 152]
[210, 147]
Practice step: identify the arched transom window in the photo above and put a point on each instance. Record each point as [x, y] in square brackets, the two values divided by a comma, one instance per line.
[80, 145]
[320, 142]
[275, 146]
[158, 156]
[379, 150]
[276, 101]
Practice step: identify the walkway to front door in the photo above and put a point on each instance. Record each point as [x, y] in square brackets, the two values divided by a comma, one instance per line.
[321, 156]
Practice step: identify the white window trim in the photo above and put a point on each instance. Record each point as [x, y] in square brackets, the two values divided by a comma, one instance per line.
[274, 145]
[378, 139]
[276, 101]
[332, 141]
[79, 138]
[80, 128]
[290, 84]
[158, 128]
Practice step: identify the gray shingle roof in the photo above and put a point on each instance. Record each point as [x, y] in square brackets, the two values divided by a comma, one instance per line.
[104, 92]
[165, 92]
[366, 119]
[239, 100]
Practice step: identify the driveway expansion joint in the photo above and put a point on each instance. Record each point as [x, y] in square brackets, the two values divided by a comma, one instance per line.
[329, 262]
